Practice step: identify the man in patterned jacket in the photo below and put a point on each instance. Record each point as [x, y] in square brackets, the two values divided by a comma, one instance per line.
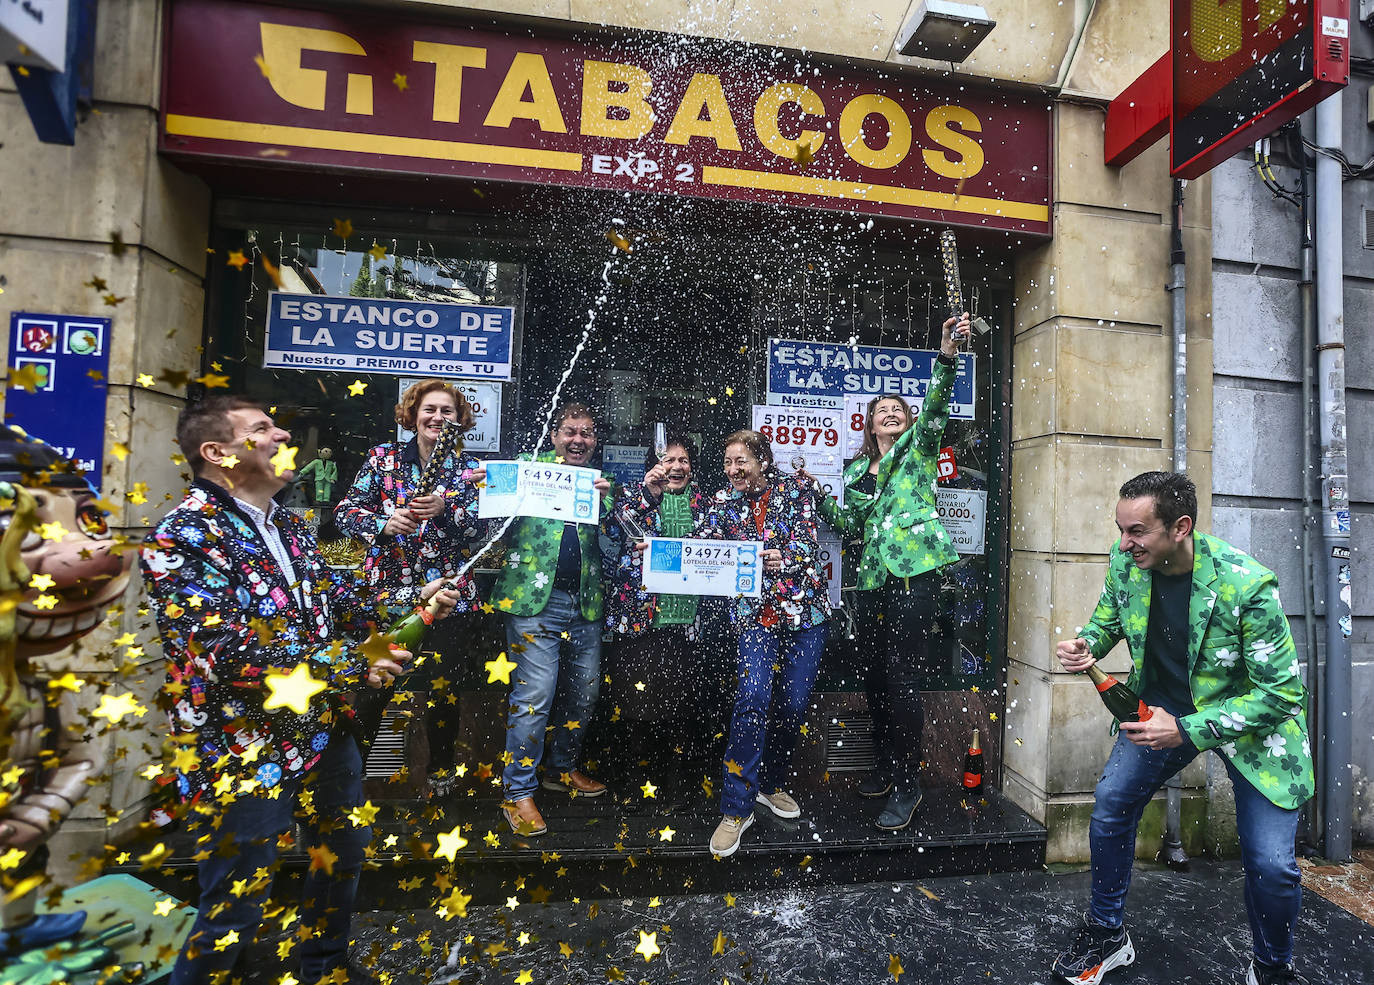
[258, 681]
[1213, 659]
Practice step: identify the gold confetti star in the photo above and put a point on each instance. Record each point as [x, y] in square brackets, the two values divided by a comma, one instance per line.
[114, 709]
[229, 461]
[284, 460]
[212, 381]
[450, 844]
[52, 531]
[617, 239]
[164, 906]
[41, 582]
[525, 977]
[894, 967]
[666, 834]
[227, 940]
[119, 450]
[322, 858]
[45, 602]
[356, 388]
[271, 269]
[499, 669]
[237, 260]
[364, 815]
[293, 690]
[26, 378]
[455, 904]
[67, 682]
[399, 81]
[718, 945]
[648, 945]
[343, 228]
[261, 63]
[378, 252]
[145, 380]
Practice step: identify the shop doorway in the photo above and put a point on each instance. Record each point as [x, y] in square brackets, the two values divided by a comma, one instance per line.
[677, 329]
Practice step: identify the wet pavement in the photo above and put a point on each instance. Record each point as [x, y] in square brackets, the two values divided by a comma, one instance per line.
[998, 928]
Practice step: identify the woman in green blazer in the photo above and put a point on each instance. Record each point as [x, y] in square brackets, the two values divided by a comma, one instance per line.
[889, 501]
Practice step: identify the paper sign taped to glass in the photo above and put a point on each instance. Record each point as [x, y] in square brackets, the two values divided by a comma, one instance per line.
[540, 489]
[685, 566]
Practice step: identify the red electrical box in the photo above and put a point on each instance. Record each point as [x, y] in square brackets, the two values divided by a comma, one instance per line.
[1236, 71]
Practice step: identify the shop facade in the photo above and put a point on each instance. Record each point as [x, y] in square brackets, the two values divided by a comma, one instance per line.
[712, 222]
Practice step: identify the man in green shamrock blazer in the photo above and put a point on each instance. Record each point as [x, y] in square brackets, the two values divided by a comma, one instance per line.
[551, 596]
[1213, 659]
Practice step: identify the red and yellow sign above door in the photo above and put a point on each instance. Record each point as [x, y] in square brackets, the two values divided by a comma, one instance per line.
[655, 113]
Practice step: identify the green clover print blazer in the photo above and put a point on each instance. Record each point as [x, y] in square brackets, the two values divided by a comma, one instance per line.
[525, 583]
[1243, 669]
[900, 526]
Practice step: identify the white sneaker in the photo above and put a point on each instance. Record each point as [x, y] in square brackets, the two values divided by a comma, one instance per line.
[725, 839]
[779, 803]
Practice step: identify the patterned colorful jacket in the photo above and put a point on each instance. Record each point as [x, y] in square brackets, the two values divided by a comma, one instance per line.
[900, 526]
[1243, 669]
[629, 608]
[526, 581]
[227, 615]
[799, 591]
[386, 482]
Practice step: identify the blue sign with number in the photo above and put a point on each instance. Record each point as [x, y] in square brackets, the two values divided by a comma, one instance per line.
[65, 359]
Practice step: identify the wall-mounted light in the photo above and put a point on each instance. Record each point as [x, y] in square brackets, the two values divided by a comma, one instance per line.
[944, 30]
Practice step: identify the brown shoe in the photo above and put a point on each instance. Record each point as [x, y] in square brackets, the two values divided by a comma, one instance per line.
[523, 817]
[577, 783]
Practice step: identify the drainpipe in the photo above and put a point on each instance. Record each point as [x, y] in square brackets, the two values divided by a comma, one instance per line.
[1171, 852]
[1312, 813]
[1335, 698]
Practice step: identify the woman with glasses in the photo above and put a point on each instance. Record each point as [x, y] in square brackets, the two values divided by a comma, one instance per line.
[779, 635]
[411, 539]
[889, 501]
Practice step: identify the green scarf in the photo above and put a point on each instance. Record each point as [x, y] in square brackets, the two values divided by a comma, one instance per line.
[675, 517]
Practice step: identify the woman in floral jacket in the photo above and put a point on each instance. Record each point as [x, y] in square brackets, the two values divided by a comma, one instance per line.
[780, 634]
[656, 670]
[413, 540]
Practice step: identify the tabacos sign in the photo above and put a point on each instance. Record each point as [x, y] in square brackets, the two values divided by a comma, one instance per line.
[647, 112]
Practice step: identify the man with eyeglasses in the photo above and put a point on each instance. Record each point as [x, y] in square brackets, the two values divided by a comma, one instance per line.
[1213, 659]
[550, 592]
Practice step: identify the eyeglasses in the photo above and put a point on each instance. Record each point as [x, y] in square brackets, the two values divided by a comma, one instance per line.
[577, 432]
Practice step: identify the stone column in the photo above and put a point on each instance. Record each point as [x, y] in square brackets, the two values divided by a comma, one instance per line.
[108, 228]
[1091, 408]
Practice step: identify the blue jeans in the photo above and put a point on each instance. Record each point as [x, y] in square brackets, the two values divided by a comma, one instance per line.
[1273, 890]
[551, 683]
[252, 824]
[767, 719]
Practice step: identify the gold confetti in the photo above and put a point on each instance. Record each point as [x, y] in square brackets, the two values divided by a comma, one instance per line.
[648, 946]
[498, 670]
[356, 388]
[617, 239]
[293, 690]
[283, 460]
[343, 228]
[237, 260]
[894, 967]
[399, 81]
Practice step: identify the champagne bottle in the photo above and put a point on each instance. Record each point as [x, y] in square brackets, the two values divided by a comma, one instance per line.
[973, 764]
[1120, 700]
[409, 630]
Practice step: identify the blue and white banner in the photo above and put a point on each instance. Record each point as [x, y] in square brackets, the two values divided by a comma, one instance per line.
[730, 568]
[805, 372]
[381, 335]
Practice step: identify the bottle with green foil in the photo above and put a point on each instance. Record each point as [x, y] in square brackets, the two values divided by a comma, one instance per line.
[409, 630]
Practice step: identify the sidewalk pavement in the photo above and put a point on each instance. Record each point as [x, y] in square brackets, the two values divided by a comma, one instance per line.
[998, 928]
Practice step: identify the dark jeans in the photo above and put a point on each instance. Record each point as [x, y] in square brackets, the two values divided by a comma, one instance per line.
[899, 664]
[1273, 890]
[246, 841]
[767, 719]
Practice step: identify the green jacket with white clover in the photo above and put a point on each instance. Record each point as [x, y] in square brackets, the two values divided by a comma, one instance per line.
[526, 580]
[901, 529]
[1242, 667]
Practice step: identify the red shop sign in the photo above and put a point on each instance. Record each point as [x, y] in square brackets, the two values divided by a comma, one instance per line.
[643, 112]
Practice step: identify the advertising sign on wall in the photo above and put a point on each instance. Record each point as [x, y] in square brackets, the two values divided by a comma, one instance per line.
[66, 359]
[963, 514]
[348, 89]
[380, 335]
